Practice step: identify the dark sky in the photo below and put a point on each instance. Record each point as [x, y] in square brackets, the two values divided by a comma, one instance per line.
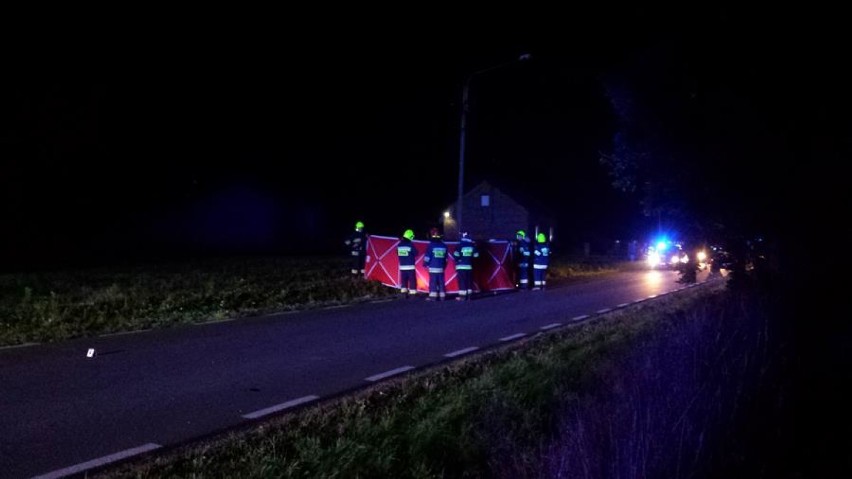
[274, 134]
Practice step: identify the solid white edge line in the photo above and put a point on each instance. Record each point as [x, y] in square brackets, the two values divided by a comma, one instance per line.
[123, 333]
[550, 326]
[623, 305]
[652, 296]
[22, 345]
[280, 407]
[83, 466]
[383, 301]
[336, 306]
[580, 318]
[514, 336]
[605, 310]
[386, 374]
[460, 352]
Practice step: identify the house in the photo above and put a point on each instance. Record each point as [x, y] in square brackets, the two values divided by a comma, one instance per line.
[488, 213]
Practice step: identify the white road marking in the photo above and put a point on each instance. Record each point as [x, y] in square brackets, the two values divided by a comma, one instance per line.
[337, 306]
[84, 466]
[122, 333]
[280, 407]
[392, 372]
[605, 310]
[383, 301]
[580, 318]
[652, 296]
[623, 305]
[551, 326]
[460, 352]
[514, 336]
[22, 345]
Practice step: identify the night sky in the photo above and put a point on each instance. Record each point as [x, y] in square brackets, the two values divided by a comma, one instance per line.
[274, 134]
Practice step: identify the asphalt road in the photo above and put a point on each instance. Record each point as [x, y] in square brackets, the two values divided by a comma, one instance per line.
[63, 412]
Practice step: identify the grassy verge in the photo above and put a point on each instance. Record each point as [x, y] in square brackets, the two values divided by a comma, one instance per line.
[608, 398]
[47, 307]
[61, 305]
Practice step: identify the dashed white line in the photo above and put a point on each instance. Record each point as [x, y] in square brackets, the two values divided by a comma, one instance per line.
[514, 336]
[580, 318]
[280, 407]
[460, 352]
[623, 305]
[605, 310]
[84, 466]
[386, 374]
[550, 326]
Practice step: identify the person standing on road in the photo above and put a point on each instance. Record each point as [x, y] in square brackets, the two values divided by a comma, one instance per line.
[521, 256]
[357, 243]
[407, 254]
[436, 260]
[541, 259]
[464, 256]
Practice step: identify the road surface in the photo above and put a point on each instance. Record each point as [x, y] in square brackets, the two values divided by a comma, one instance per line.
[64, 412]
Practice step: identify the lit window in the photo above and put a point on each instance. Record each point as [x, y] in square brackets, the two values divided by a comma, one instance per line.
[485, 200]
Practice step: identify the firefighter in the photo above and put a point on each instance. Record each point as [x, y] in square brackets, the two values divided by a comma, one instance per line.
[436, 260]
[522, 252]
[407, 254]
[464, 256]
[357, 242]
[541, 258]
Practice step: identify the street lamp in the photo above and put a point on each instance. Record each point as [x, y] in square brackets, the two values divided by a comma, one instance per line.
[464, 110]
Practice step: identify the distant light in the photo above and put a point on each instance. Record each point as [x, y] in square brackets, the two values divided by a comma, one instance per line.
[446, 214]
[661, 245]
[525, 56]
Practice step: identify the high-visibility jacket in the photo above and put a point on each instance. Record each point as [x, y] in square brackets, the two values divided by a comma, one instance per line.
[541, 254]
[357, 242]
[465, 253]
[407, 253]
[436, 255]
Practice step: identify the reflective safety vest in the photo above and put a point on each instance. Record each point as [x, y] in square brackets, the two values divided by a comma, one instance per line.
[407, 253]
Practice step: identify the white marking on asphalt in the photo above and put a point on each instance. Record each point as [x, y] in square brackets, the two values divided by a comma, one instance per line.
[392, 372]
[383, 301]
[337, 306]
[226, 320]
[551, 326]
[605, 310]
[83, 466]
[623, 305]
[639, 300]
[652, 296]
[22, 345]
[580, 318]
[122, 333]
[514, 336]
[460, 352]
[280, 407]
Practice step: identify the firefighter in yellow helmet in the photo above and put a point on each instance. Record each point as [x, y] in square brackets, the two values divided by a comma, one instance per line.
[541, 258]
[357, 243]
[407, 252]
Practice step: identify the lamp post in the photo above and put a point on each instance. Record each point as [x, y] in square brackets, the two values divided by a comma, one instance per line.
[464, 110]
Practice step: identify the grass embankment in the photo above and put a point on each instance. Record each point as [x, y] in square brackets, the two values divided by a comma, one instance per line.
[655, 390]
[55, 306]
[47, 307]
